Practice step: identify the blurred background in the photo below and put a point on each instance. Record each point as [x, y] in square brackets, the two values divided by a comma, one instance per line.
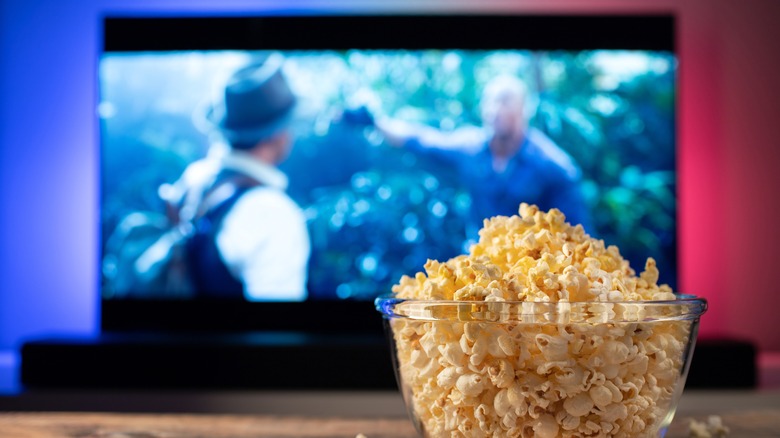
[728, 103]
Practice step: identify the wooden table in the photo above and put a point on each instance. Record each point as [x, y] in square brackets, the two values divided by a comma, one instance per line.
[747, 414]
[51, 425]
[764, 423]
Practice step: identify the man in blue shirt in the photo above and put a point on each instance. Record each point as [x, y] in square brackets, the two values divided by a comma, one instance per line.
[503, 163]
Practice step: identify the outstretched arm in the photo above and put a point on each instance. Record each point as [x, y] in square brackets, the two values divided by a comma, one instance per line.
[426, 140]
[398, 132]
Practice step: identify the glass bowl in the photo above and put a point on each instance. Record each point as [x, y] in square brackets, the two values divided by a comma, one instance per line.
[535, 369]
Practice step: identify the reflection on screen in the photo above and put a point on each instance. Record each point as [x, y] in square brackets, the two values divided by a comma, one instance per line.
[397, 155]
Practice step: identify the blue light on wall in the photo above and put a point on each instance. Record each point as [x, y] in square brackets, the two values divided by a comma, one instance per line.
[48, 170]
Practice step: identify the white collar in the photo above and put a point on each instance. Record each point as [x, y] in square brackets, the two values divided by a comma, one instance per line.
[245, 163]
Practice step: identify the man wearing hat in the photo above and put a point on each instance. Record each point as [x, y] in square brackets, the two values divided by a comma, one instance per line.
[249, 237]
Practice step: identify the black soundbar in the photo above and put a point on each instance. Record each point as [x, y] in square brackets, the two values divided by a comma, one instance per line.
[193, 361]
[279, 361]
[723, 363]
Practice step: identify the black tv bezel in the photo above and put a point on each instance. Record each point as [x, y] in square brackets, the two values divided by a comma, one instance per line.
[123, 33]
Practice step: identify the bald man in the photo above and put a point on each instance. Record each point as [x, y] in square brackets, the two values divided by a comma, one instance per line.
[503, 163]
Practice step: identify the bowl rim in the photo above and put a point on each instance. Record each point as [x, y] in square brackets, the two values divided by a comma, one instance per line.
[685, 307]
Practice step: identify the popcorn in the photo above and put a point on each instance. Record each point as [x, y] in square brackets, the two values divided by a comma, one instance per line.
[591, 366]
[712, 428]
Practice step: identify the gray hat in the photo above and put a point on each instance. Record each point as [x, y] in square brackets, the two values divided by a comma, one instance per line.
[258, 103]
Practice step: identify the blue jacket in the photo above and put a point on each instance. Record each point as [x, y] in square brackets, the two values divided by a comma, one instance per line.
[540, 173]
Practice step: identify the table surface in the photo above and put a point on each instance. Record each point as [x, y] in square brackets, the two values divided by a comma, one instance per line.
[747, 414]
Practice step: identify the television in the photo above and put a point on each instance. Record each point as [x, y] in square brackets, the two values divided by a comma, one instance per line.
[599, 95]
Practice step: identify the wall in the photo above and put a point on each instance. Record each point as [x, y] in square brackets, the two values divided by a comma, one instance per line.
[751, 131]
[729, 98]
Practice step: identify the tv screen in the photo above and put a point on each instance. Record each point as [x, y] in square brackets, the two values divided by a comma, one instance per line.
[383, 141]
